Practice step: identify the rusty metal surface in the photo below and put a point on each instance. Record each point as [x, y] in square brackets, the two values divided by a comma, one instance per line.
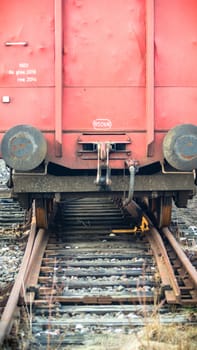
[8, 313]
[169, 282]
[23, 147]
[182, 256]
[50, 183]
[174, 286]
[180, 147]
[92, 259]
[87, 265]
[85, 249]
[32, 273]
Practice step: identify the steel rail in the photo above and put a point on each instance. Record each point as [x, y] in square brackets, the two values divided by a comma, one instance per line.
[32, 274]
[169, 281]
[181, 255]
[33, 270]
[9, 310]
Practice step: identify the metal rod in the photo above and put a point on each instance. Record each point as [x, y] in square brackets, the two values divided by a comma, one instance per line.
[16, 43]
[131, 184]
[176, 172]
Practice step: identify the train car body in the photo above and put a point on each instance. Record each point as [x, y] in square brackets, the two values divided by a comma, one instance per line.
[102, 94]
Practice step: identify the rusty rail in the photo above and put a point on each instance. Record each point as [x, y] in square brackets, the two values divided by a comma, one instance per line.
[31, 278]
[182, 256]
[11, 306]
[169, 280]
[28, 273]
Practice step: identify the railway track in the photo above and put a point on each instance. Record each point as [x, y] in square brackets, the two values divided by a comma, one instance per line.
[11, 215]
[12, 219]
[95, 272]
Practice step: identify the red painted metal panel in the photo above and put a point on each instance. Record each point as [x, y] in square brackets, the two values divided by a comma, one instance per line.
[27, 106]
[175, 105]
[27, 65]
[176, 42]
[104, 43]
[138, 151]
[27, 43]
[124, 108]
[175, 62]
[93, 69]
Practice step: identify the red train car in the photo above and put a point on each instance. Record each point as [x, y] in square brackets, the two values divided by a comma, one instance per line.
[100, 96]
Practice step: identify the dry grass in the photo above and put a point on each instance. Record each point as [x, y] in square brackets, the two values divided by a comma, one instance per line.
[152, 337]
[169, 337]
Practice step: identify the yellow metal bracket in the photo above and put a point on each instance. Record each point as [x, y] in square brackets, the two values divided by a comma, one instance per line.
[144, 224]
[142, 228]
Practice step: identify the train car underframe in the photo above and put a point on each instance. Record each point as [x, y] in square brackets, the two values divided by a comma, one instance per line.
[112, 173]
[154, 192]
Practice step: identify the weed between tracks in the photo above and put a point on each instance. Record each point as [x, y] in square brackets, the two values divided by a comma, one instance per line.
[152, 336]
